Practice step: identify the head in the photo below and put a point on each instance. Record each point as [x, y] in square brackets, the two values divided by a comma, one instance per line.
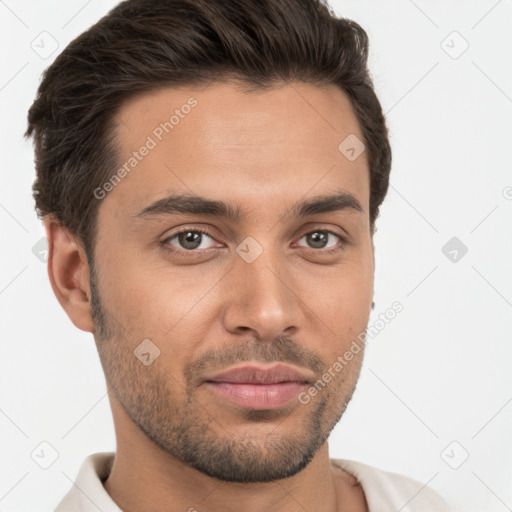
[185, 153]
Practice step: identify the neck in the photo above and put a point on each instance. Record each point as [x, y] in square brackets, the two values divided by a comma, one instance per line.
[163, 483]
[143, 477]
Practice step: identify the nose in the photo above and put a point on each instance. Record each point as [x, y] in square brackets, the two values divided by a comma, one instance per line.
[262, 297]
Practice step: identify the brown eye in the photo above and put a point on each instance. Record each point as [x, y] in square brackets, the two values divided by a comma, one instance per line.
[319, 239]
[188, 240]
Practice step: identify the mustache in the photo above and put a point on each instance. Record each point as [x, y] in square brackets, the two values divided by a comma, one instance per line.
[280, 349]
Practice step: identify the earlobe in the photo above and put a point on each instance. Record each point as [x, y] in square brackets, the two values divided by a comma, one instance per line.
[68, 271]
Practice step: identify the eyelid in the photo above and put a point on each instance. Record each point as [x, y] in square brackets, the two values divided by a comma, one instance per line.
[344, 240]
[185, 229]
[324, 230]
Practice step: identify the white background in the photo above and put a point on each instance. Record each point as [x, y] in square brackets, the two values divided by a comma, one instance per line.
[438, 373]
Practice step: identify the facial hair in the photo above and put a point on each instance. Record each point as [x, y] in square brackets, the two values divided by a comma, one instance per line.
[179, 422]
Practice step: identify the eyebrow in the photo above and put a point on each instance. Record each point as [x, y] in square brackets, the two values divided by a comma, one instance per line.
[186, 204]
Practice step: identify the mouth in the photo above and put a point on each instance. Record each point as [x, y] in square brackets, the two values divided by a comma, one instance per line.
[257, 387]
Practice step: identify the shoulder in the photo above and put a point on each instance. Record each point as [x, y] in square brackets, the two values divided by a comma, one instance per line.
[387, 492]
[87, 493]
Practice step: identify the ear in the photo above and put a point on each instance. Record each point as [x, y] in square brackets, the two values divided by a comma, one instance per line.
[373, 277]
[68, 271]
[373, 255]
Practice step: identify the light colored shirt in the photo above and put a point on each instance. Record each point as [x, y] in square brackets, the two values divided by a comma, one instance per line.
[384, 491]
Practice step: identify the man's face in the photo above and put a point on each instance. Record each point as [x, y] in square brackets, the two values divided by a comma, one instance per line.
[269, 286]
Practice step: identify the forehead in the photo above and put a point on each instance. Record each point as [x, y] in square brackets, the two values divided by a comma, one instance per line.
[250, 147]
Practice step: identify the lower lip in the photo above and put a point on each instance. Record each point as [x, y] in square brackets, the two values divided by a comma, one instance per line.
[257, 396]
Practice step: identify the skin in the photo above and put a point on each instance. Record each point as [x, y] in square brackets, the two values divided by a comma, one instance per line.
[179, 444]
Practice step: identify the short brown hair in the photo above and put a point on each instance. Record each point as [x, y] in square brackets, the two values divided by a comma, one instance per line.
[147, 44]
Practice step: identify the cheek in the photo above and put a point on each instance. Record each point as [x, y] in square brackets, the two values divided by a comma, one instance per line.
[343, 291]
[173, 307]
[342, 302]
[155, 299]
[148, 292]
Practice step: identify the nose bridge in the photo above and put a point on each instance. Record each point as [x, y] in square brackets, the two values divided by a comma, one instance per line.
[262, 296]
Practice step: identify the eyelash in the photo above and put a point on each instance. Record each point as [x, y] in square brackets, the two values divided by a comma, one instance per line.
[194, 252]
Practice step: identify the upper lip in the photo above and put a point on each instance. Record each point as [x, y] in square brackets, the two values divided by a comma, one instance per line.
[257, 374]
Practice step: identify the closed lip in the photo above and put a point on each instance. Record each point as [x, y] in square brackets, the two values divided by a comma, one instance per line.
[258, 374]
